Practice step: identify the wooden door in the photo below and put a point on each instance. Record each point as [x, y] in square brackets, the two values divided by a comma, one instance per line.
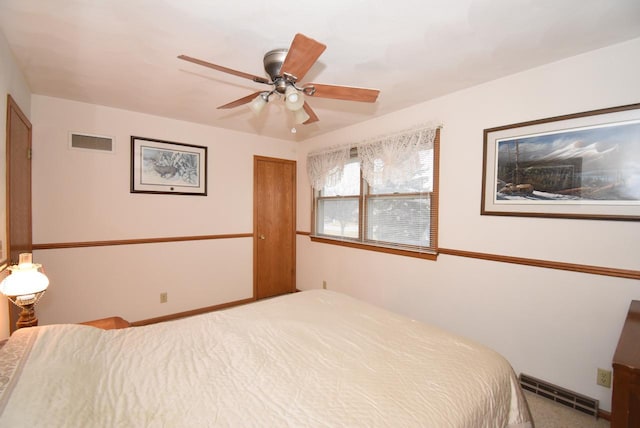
[18, 189]
[274, 226]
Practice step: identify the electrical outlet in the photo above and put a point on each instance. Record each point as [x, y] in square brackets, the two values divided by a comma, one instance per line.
[604, 378]
[164, 297]
[324, 284]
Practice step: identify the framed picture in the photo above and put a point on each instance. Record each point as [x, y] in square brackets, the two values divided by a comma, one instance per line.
[166, 167]
[584, 165]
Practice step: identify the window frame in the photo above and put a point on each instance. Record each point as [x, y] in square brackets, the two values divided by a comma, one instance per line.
[428, 253]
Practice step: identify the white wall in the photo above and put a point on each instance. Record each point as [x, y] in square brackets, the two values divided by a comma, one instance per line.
[81, 196]
[11, 82]
[556, 325]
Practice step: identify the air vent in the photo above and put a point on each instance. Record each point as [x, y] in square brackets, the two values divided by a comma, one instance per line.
[91, 142]
[560, 395]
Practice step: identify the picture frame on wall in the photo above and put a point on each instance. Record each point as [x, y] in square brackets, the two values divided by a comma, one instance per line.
[583, 165]
[167, 167]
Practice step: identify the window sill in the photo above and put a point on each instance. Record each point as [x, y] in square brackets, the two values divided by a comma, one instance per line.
[380, 249]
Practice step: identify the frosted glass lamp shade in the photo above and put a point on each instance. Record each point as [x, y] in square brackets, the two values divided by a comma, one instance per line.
[25, 279]
[257, 104]
[301, 116]
[293, 99]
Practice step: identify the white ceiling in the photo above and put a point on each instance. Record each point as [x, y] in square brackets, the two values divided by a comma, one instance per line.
[122, 53]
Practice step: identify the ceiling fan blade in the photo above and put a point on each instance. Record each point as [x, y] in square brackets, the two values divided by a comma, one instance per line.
[303, 53]
[224, 69]
[347, 93]
[312, 115]
[241, 101]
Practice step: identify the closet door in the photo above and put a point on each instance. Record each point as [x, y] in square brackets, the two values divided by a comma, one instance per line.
[274, 226]
[18, 189]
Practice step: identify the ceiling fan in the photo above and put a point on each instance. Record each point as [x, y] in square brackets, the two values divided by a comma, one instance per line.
[286, 67]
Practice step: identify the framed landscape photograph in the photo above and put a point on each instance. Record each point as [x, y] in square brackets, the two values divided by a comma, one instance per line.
[166, 167]
[583, 165]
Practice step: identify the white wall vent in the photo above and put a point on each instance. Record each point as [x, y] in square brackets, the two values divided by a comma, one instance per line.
[98, 143]
[560, 395]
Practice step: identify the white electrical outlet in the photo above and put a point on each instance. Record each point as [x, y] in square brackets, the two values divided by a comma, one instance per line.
[164, 297]
[324, 284]
[604, 378]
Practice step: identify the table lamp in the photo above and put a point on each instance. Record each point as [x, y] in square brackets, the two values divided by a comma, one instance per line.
[24, 287]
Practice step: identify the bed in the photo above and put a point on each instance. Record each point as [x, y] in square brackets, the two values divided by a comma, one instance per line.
[313, 358]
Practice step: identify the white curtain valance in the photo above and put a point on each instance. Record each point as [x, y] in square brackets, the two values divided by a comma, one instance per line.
[326, 167]
[395, 158]
[391, 158]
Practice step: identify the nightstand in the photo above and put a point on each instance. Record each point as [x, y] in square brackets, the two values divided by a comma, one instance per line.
[110, 323]
[625, 401]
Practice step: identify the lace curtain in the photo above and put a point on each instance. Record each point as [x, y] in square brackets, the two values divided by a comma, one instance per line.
[326, 167]
[388, 159]
[394, 159]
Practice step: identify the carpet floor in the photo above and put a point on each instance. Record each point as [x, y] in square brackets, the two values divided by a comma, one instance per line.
[547, 414]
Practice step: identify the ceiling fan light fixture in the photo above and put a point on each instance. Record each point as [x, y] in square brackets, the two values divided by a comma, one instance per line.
[258, 103]
[300, 116]
[287, 67]
[293, 99]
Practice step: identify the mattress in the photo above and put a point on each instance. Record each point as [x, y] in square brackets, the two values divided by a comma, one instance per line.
[315, 358]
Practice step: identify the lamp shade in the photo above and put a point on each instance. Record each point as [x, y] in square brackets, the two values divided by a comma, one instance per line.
[293, 99]
[25, 279]
[258, 104]
[301, 116]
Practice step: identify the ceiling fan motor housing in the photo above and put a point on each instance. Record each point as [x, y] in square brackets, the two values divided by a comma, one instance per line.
[273, 62]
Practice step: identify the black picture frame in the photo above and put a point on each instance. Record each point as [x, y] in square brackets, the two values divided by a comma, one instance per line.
[167, 167]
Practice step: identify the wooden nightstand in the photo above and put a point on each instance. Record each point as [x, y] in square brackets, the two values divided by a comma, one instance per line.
[110, 323]
[625, 402]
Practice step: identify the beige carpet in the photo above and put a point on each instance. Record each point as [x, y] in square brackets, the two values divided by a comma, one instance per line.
[547, 414]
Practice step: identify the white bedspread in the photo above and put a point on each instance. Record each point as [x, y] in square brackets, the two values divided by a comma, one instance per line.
[314, 358]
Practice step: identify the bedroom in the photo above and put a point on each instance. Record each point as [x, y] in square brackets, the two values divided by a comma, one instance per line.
[554, 324]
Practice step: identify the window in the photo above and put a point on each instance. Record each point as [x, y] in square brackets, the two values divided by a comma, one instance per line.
[338, 206]
[380, 196]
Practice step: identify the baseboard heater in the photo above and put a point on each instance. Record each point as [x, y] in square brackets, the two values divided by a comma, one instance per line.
[560, 395]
